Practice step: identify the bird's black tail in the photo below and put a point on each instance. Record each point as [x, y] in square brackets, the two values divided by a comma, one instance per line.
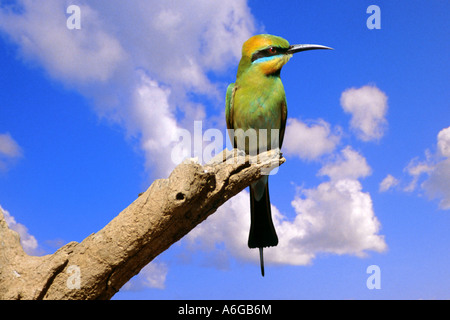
[262, 230]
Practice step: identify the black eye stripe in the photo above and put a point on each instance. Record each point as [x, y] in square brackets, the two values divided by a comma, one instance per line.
[272, 51]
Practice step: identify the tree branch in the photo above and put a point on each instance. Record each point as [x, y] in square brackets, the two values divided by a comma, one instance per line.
[104, 261]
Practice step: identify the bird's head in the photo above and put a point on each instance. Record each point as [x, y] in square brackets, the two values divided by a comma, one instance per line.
[268, 54]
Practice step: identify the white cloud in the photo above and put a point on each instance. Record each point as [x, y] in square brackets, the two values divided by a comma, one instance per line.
[444, 142]
[416, 169]
[437, 186]
[387, 183]
[9, 150]
[368, 107]
[8, 147]
[349, 164]
[155, 124]
[28, 242]
[309, 141]
[229, 225]
[436, 169]
[336, 217]
[41, 33]
[152, 275]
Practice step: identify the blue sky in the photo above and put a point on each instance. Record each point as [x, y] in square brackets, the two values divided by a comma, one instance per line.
[88, 120]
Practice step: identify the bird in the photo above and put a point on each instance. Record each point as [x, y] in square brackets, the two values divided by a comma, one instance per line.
[257, 100]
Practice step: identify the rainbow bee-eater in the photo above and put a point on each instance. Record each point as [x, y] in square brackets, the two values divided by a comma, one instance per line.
[257, 101]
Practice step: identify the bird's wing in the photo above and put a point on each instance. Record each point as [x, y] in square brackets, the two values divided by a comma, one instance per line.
[283, 122]
[229, 106]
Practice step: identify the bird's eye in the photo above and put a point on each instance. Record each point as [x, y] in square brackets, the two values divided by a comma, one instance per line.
[272, 50]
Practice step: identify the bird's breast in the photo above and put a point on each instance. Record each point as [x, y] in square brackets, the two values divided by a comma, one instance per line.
[260, 106]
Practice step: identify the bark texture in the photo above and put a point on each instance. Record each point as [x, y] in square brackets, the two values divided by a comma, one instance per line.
[101, 264]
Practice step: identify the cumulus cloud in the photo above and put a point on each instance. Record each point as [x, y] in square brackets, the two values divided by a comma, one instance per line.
[309, 141]
[9, 147]
[349, 164]
[41, 33]
[336, 217]
[387, 183]
[28, 241]
[152, 275]
[367, 106]
[437, 186]
[416, 169]
[444, 142]
[435, 171]
[9, 150]
[156, 124]
[229, 226]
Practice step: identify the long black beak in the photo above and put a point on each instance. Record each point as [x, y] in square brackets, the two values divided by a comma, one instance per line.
[304, 47]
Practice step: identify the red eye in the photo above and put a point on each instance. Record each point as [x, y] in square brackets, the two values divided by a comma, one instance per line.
[272, 50]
